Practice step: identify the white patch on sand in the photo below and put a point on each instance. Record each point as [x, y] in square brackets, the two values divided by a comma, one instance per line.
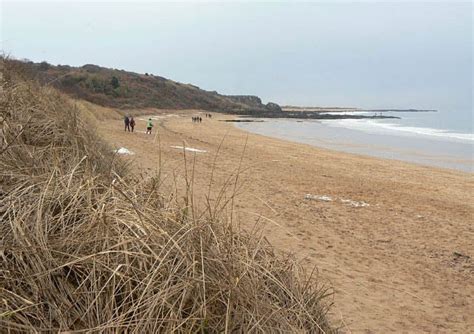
[190, 149]
[123, 150]
[354, 203]
[323, 198]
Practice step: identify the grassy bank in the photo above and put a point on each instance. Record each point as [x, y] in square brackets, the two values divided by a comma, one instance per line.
[127, 90]
[88, 247]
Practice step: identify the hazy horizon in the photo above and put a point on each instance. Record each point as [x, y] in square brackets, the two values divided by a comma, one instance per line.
[372, 55]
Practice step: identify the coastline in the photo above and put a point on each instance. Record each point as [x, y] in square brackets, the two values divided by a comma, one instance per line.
[392, 263]
[386, 141]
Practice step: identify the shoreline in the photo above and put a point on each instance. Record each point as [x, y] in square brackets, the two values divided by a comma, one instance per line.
[426, 150]
[349, 109]
[308, 115]
[376, 256]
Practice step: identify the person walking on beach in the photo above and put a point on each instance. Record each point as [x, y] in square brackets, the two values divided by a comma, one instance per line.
[149, 126]
[126, 120]
[132, 123]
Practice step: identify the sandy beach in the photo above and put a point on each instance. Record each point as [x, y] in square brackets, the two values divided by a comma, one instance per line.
[394, 240]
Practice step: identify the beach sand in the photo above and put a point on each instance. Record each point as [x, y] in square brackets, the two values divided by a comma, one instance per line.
[402, 263]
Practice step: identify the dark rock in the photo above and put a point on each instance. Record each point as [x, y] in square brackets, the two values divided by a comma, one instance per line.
[273, 107]
[456, 254]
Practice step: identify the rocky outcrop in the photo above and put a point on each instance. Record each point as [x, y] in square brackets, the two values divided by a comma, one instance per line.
[271, 106]
[249, 100]
[255, 103]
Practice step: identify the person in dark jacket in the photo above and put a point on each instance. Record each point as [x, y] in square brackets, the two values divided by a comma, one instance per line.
[132, 123]
[126, 120]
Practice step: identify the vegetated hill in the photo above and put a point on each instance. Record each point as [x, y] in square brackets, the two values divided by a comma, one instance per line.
[122, 89]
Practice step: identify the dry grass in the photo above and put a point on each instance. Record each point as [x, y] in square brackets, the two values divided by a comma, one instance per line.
[86, 248]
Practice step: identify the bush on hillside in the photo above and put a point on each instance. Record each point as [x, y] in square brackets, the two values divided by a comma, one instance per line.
[44, 66]
[115, 82]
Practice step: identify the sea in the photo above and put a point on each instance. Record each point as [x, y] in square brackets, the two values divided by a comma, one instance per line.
[441, 138]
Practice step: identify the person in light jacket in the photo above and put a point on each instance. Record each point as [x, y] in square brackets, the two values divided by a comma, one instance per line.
[149, 126]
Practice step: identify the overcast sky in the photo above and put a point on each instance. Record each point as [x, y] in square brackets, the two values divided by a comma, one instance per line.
[369, 54]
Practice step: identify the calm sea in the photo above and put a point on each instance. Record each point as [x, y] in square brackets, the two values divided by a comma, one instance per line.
[443, 139]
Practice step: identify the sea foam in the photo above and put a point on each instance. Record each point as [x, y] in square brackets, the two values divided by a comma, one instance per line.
[391, 128]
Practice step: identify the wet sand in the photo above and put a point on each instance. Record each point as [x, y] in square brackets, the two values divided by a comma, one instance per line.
[373, 140]
[404, 263]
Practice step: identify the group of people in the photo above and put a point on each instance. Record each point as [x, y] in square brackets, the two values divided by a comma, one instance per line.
[198, 119]
[130, 124]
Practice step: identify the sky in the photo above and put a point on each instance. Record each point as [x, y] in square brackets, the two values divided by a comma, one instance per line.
[366, 54]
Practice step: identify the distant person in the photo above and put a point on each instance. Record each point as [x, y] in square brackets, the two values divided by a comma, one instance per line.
[132, 123]
[126, 120]
[149, 126]
[200, 119]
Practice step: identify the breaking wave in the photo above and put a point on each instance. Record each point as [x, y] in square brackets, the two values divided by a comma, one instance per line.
[391, 128]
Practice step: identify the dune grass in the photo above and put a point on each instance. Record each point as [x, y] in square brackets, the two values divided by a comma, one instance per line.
[86, 247]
